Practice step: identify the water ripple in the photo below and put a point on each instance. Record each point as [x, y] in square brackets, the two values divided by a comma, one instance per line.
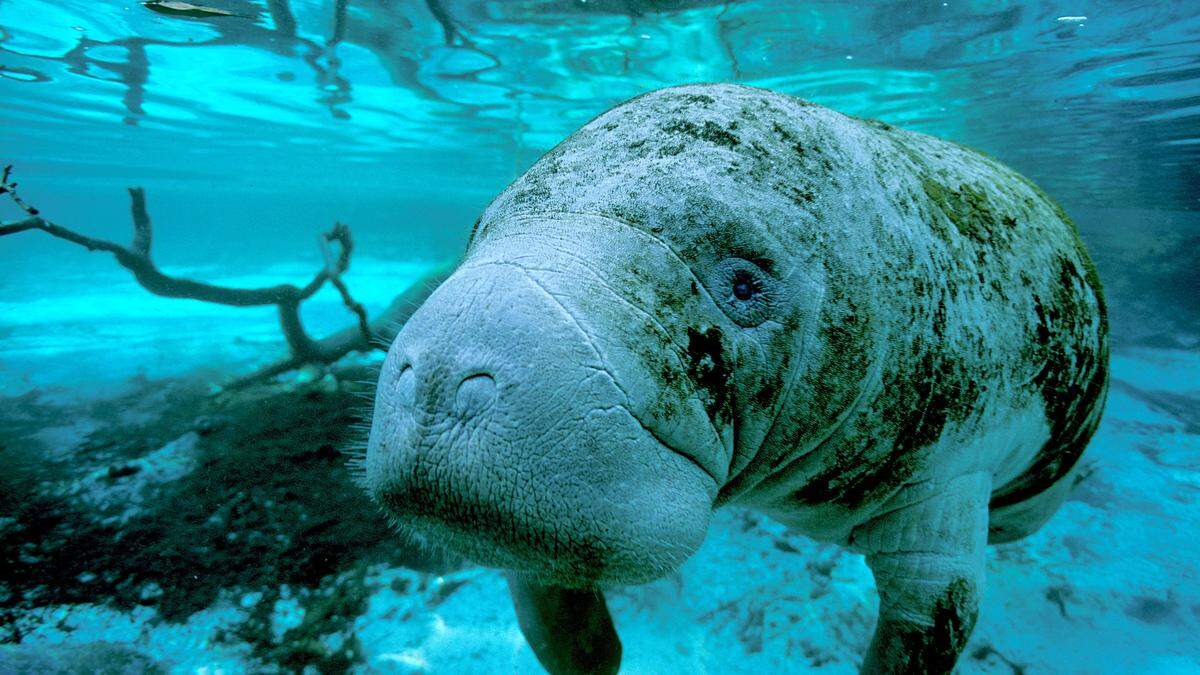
[1104, 108]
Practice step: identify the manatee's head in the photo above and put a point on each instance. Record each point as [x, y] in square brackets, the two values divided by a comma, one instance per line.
[572, 400]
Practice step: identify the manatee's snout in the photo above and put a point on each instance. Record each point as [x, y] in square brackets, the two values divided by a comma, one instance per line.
[507, 429]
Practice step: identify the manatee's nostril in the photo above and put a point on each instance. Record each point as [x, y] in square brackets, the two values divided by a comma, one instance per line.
[474, 394]
[406, 384]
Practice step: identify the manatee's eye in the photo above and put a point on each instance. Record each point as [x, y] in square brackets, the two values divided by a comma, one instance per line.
[743, 287]
[743, 290]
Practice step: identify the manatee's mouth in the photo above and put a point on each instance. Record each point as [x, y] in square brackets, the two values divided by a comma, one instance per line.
[492, 536]
[566, 527]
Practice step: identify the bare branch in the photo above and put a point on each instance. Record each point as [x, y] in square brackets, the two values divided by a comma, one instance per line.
[365, 335]
[384, 328]
[16, 226]
[144, 269]
[141, 221]
[10, 188]
[334, 269]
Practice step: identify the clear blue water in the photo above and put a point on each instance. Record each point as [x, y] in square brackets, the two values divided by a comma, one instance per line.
[254, 129]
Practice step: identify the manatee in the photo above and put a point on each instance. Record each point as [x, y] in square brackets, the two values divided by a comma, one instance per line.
[718, 295]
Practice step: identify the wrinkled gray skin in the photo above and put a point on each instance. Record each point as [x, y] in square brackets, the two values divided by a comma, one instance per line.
[715, 295]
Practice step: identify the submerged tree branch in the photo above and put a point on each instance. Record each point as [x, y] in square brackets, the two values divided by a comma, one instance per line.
[365, 335]
[384, 327]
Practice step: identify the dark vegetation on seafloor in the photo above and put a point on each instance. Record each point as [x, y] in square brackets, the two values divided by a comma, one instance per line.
[268, 502]
[265, 501]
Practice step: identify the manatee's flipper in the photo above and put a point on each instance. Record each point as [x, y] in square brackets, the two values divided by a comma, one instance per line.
[1008, 522]
[569, 629]
[928, 560]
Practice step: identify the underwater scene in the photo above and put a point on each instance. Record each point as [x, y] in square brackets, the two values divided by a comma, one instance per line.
[577, 336]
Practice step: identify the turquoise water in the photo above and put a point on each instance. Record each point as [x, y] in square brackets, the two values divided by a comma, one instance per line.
[254, 126]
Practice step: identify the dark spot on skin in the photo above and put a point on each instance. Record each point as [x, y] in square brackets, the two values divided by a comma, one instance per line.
[122, 471]
[935, 648]
[709, 370]
[710, 131]
[967, 209]
[534, 192]
[953, 618]
[670, 150]
[879, 124]
[801, 197]
[624, 213]
[700, 99]
[750, 630]
[474, 230]
[765, 264]
[1042, 329]
[939, 318]
[765, 397]
[783, 545]
[668, 376]
[788, 137]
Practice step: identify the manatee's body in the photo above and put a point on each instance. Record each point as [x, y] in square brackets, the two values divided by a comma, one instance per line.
[718, 295]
